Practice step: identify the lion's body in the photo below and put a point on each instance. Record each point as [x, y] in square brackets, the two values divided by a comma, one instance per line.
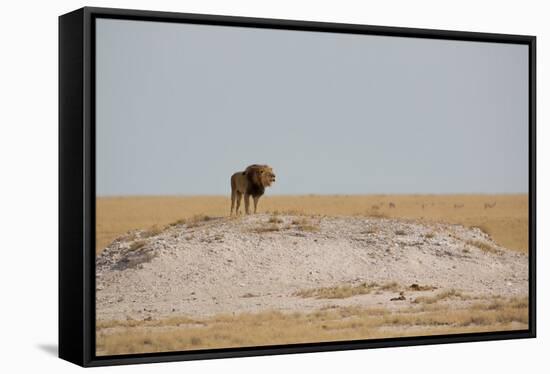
[250, 182]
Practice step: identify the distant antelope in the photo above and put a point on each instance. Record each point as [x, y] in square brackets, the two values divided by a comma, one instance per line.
[375, 207]
[488, 205]
[392, 205]
[459, 206]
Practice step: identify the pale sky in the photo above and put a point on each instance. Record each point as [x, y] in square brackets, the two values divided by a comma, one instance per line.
[179, 108]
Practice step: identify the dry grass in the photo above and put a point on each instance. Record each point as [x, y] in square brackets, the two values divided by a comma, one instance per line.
[417, 287]
[300, 221]
[180, 221]
[290, 212]
[275, 219]
[507, 222]
[196, 220]
[337, 292]
[137, 245]
[328, 324]
[499, 303]
[345, 291]
[305, 224]
[449, 294]
[481, 314]
[155, 230]
[375, 214]
[265, 229]
[171, 322]
[371, 230]
[390, 286]
[192, 221]
[309, 228]
[484, 246]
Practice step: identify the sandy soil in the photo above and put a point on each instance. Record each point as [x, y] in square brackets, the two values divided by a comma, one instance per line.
[260, 262]
[504, 217]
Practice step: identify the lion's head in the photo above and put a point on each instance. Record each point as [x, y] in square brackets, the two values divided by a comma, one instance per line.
[261, 174]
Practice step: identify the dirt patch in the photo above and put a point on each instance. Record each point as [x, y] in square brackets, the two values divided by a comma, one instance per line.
[231, 266]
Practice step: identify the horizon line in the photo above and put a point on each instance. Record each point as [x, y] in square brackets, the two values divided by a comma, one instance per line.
[328, 194]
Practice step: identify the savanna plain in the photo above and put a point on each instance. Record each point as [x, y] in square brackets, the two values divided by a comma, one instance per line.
[177, 273]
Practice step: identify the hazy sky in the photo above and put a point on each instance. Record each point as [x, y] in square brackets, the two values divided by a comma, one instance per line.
[179, 108]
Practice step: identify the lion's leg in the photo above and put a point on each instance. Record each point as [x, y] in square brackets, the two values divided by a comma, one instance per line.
[255, 198]
[232, 203]
[247, 203]
[238, 196]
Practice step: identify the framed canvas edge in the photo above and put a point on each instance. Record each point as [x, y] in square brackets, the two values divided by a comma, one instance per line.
[71, 263]
[77, 272]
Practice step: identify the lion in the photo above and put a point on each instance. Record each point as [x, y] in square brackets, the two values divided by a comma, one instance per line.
[250, 182]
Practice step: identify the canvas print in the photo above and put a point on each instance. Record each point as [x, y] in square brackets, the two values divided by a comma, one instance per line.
[260, 187]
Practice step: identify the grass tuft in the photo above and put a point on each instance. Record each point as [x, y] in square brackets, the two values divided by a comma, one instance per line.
[417, 287]
[137, 245]
[275, 219]
[153, 231]
[440, 296]
[265, 229]
[345, 291]
[484, 246]
[181, 221]
[197, 219]
[304, 224]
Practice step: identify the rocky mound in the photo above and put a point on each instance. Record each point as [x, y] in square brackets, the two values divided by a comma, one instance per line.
[266, 262]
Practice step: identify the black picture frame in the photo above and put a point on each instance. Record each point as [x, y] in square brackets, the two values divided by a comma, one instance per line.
[77, 184]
